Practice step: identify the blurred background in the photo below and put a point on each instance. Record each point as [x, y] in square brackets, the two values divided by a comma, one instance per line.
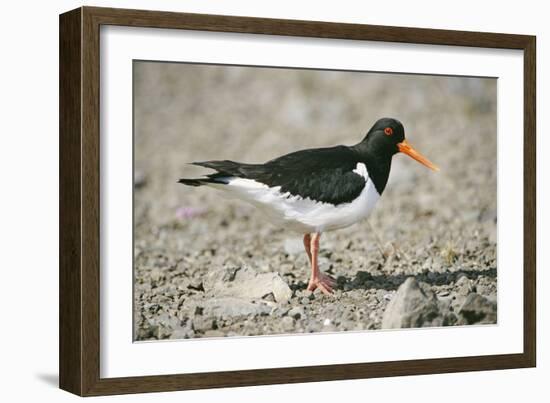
[442, 223]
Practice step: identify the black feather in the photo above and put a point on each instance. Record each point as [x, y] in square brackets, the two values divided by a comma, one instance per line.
[191, 182]
[322, 174]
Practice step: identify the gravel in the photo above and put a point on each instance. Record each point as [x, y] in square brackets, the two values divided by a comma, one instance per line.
[206, 266]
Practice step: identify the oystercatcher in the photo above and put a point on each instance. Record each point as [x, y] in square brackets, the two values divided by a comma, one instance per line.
[316, 190]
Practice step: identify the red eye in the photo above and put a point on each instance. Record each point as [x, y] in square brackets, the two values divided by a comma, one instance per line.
[388, 131]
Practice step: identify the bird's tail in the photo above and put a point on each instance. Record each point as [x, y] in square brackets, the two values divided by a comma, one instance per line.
[193, 182]
[224, 171]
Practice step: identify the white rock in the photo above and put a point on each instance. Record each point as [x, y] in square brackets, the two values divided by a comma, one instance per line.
[234, 307]
[246, 283]
[411, 306]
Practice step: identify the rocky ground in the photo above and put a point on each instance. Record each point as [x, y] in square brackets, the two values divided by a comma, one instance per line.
[206, 266]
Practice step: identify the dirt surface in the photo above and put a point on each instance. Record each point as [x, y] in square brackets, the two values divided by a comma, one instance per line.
[207, 266]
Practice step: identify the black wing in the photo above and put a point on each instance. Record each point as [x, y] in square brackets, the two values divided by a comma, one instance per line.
[322, 174]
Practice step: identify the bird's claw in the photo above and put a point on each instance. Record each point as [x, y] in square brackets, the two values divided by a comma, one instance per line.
[322, 281]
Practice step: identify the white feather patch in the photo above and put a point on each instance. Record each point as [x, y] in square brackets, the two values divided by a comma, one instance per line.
[303, 214]
[361, 170]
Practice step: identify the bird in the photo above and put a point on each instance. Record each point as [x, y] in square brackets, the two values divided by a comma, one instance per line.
[316, 190]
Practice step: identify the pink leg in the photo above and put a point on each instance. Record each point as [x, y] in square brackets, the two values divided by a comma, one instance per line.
[307, 245]
[318, 279]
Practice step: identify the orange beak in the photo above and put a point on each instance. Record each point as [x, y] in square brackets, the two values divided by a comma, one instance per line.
[406, 148]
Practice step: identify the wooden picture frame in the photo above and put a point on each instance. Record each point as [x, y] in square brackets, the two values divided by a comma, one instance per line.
[79, 346]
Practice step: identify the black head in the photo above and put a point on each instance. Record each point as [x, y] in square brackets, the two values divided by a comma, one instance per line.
[383, 138]
[387, 138]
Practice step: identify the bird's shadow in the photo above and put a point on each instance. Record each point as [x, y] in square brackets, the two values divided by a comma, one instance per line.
[366, 281]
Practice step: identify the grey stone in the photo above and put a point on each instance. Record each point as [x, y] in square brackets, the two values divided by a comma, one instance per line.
[412, 306]
[147, 331]
[246, 283]
[484, 290]
[157, 276]
[464, 285]
[269, 297]
[168, 320]
[140, 179]
[229, 307]
[195, 284]
[159, 331]
[201, 323]
[477, 310]
[183, 332]
[287, 323]
[296, 313]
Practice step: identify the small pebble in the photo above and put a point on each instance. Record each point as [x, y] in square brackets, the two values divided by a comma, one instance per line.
[140, 179]
[287, 323]
[296, 313]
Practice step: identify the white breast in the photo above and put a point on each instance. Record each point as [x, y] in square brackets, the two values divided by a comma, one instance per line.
[304, 215]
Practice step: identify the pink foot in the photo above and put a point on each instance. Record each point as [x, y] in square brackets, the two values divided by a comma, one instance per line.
[322, 281]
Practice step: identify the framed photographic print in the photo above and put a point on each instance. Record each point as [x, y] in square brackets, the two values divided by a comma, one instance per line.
[250, 201]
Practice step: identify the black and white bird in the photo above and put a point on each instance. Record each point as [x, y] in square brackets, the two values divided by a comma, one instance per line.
[316, 190]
